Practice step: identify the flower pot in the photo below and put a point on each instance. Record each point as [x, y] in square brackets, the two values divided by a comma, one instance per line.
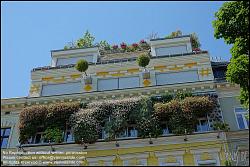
[145, 74]
[87, 80]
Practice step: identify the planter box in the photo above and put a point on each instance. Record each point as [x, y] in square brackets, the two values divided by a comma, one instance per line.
[145, 74]
[87, 80]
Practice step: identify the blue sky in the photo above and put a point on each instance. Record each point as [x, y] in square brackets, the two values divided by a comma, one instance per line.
[30, 30]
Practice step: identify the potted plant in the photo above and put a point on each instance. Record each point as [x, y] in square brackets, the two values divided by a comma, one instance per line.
[123, 46]
[82, 66]
[135, 46]
[143, 61]
[144, 44]
[115, 47]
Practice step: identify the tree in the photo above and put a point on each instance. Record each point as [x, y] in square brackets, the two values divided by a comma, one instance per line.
[86, 41]
[232, 24]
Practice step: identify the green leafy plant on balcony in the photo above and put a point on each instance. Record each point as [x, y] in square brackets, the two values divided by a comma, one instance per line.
[47, 116]
[195, 41]
[53, 134]
[114, 116]
[183, 114]
[174, 34]
[221, 126]
[85, 126]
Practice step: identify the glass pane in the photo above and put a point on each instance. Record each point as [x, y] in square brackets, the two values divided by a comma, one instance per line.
[7, 132]
[240, 121]
[4, 143]
[247, 119]
[165, 131]
[38, 138]
[2, 130]
[239, 110]
[69, 137]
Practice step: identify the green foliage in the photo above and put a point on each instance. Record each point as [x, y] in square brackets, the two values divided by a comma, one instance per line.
[238, 70]
[163, 99]
[228, 163]
[183, 95]
[30, 118]
[117, 122]
[66, 47]
[86, 41]
[195, 41]
[175, 34]
[198, 105]
[58, 114]
[232, 21]
[221, 126]
[143, 60]
[53, 115]
[53, 134]
[104, 45]
[183, 114]
[240, 47]
[85, 126]
[232, 24]
[82, 65]
[149, 127]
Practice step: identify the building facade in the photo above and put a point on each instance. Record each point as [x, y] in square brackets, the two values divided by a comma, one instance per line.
[174, 67]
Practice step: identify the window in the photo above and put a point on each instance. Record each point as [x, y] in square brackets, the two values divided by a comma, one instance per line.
[171, 50]
[240, 114]
[107, 84]
[202, 125]
[64, 88]
[38, 138]
[73, 60]
[118, 83]
[5, 133]
[68, 135]
[130, 131]
[129, 82]
[165, 129]
[176, 77]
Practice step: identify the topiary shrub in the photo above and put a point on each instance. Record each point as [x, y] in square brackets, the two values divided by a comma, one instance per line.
[82, 66]
[143, 60]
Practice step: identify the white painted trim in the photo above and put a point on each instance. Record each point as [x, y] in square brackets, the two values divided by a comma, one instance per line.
[75, 51]
[244, 119]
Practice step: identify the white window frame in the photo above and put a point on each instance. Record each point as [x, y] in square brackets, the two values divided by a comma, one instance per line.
[8, 140]
[243, 115]
[185, 45]
[47, 84]
[208, 123]
[174, 72]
